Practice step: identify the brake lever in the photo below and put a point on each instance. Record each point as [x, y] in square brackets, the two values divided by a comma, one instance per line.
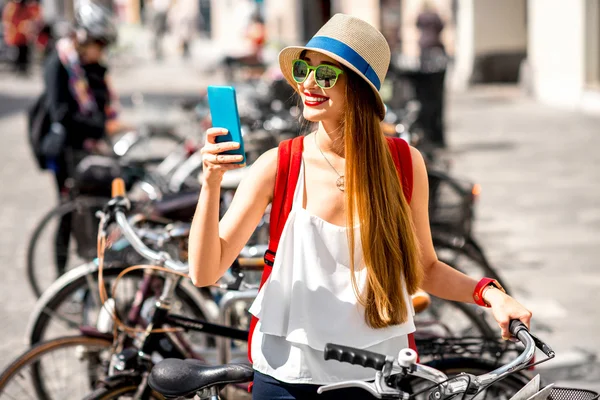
[516, 326]
[378, 389]
[547, 350]
[104, 222]
[369, 387]
[238, 274]
[235, 285]
[247, 286]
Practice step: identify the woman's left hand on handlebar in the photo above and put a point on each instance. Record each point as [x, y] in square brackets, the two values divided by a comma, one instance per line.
[504, 309]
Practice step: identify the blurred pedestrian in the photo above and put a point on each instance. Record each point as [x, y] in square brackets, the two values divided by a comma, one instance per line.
[20, 21]
[78, 107]
[183, 21]
[429, 87]
[160, 10]
[250, 52]
[430, 26]
[45, 40]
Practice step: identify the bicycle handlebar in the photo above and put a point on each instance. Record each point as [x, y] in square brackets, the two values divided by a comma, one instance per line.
[139, 246]
[364, 358]
[406, 365]
[120, 202]
[520, 331]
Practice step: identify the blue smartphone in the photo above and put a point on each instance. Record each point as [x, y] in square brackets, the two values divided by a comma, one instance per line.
[224, 114]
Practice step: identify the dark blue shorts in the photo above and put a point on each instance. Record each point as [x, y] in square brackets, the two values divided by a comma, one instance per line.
[268, 388]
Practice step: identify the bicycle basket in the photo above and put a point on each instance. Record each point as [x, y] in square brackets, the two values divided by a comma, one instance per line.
[451, 204]
[94, 175]
[558, 393]
[84, 228]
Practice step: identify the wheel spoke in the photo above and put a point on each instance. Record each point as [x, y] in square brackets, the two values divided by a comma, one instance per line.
[56, 370]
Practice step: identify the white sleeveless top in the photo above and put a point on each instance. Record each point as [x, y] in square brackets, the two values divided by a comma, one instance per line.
[308, 301]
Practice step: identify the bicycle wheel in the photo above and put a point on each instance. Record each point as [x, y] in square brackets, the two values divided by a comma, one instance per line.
[501, 390]
[73, 301]
[64, 368]
[64, 238]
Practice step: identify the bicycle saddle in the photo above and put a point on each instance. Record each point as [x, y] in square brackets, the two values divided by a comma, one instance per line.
[179, 378]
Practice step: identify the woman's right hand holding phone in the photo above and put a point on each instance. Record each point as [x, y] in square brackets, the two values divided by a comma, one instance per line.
[215, 164]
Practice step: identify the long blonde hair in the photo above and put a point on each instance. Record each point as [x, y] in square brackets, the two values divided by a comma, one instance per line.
[374, 196]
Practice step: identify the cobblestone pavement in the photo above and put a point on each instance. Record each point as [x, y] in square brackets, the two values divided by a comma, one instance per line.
[538, 216]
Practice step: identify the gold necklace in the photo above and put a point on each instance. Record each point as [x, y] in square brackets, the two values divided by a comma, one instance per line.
[340, 182]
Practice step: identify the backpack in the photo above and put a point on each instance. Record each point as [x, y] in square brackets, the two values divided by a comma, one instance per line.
[38, 126]
[289, 160]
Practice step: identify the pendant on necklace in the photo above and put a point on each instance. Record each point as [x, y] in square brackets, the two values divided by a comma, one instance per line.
[340, 183]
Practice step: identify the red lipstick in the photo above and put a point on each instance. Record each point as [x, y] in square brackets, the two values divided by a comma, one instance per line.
[314, 100]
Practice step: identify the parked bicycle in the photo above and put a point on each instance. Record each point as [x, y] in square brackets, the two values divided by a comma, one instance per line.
[395, 378]
[73, 301]
[115, 370]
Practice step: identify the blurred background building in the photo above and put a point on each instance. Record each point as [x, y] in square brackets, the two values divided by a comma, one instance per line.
[550, 47]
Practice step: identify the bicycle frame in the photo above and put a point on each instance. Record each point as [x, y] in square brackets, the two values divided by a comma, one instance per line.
[126, 363]
[161, 317]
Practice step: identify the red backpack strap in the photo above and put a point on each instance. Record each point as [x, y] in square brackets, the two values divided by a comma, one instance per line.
[403, 160]
[288, 169]
[289, 161]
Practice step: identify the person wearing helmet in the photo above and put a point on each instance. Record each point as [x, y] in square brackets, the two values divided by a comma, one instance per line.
[82, 107]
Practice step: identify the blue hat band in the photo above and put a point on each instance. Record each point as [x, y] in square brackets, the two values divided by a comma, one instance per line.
[347, 53]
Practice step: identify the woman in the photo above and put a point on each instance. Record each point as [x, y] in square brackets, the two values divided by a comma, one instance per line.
[82, 106]
[183, 22]
[430, 88]
[160, 10]
[353, 247]
[254, 41]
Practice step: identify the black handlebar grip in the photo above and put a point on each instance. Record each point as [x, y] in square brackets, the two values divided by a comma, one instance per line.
[516, 326]
[364, 358]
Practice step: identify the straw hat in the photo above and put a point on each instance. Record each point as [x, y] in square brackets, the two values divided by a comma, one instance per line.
[352, 42]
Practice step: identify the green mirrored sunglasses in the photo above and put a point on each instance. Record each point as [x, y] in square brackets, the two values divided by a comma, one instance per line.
[325, 75]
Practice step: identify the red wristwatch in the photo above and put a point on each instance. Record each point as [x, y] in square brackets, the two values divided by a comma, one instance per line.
[482, 286]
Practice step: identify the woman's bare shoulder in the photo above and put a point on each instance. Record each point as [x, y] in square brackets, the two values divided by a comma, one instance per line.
[267, 161]
[418, 162]
[264, 169]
